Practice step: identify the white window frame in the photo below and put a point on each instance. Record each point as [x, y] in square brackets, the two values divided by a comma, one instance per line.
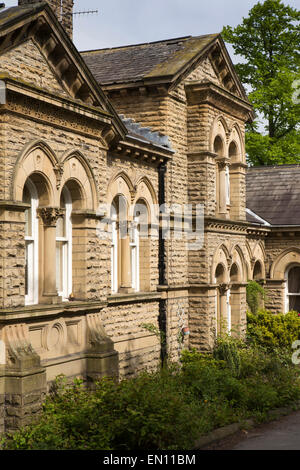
[228, 294]
[287, 293]
[114, 250]
[32, 248]
[66, 249]
[227, 189]
[135, 254]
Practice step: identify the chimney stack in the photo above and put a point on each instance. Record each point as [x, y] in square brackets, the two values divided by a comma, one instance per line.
[63, 10]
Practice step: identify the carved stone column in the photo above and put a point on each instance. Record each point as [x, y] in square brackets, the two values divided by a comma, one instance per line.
[125, 261]
[222, 170]
[222, 313]
[49, 216]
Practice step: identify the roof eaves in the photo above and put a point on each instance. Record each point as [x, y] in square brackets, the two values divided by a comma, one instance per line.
[259, 219]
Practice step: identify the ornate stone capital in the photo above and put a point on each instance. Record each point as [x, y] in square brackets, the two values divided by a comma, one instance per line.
[223, 288]
[49, 215]
[222, 162]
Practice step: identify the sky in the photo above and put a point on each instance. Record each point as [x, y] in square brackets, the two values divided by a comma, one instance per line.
[123, 22]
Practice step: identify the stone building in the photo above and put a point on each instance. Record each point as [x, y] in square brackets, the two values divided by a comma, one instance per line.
[92, 146]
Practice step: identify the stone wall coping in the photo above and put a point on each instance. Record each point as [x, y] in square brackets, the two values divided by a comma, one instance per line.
[41, 311]
[133, 297]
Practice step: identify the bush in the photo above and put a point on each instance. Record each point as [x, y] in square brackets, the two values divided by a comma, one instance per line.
[227, 349]
[255, 295]
[169, 409]
[273, 331]
[152, 411]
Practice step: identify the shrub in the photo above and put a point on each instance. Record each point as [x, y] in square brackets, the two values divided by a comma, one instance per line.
[169, 409]
[255, 295]
[273, 331]
[227, 349]
[152, 411]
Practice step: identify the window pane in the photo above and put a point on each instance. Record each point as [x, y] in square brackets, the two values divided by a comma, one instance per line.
[294, 280]
[60, 227]
[26, 270]
[59, 266]
[28, 213]
[294, 302]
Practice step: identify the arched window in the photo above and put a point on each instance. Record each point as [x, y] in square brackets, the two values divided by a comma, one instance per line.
[293, 288]
[233, 152]
[140, 248]
[121, 271]
[135, 253]
[114, 249]
[257, 271]
[64, 246]
[221, 299]
[233, 298]
[30, 196]
[223, 178]
[218, 146]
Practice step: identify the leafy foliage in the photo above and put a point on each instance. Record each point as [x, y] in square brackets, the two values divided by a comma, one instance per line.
[268, 42]
[273, 331]
[167, 409]
[255, 295]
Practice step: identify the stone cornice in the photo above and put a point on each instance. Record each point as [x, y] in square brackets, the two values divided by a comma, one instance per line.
[216, 96]
[29, 90]
[142, 151]
[258, 231]
[216, 224]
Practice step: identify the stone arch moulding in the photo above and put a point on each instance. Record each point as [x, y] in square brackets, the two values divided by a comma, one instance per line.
[74, 166]
[259, 254]
[37, 157]
[145, 191]
[219, 127]
[287, 257]
[120, 185]
[238, 258]
[221, 256]
[237, 137]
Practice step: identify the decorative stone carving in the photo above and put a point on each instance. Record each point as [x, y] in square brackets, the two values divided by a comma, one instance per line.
[50, 215]
[54, 336]
[59, 171]
[97, 337]
[18, 347]
[223, 288]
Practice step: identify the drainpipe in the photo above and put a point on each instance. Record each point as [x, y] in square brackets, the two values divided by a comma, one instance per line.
[162, 319]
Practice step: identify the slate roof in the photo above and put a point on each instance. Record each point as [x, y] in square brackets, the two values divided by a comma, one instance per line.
[145, 61]
[145, 134]
[273, 193]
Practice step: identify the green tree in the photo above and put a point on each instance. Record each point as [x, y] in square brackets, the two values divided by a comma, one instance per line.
[268, 42]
